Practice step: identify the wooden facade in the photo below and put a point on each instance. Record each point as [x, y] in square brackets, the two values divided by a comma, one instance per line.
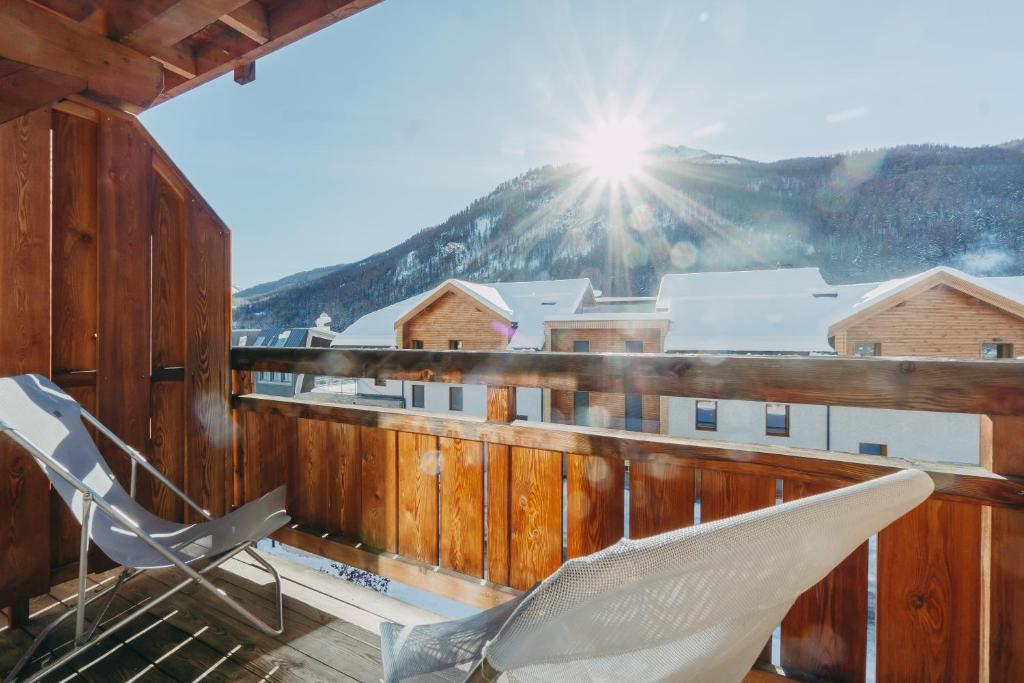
[115, 285]
[943, 319]
[605, 336]
[940, 569]
[452, 315]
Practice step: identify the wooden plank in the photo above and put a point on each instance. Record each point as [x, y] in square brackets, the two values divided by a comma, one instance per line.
[943, 385]
[462, 506]
[378, 520]
[417, 496]
[25, 345]
[536, 547]
[965, 483]
[724, 495]
[114, 72]
[125, 182]
[501, 408]
[180, 20]
[595, 490]
[30, 87]
[1002, 450]
[250, 20]
[499, 512]
[324, 482]
[75, 236]
[825, 633]
[269, 445]
[168, 350]
[929, 586]
[208, 424]
[429, 577]
[661, 498]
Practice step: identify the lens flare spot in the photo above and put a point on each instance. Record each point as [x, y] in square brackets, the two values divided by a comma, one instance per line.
[684, 255]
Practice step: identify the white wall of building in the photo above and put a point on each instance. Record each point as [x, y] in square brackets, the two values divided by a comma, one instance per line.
[911, 434]
[916, 435]
[744, 421]
[529, 400]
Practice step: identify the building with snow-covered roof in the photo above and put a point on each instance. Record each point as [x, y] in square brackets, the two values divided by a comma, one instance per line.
[939, 312]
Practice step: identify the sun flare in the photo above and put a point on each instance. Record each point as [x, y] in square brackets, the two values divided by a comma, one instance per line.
[613, 151]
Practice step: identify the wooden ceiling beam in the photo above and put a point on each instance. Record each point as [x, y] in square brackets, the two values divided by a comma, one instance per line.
[287, 23]
[29, 87]
[181, 20]
[251, 21]
[112, 72]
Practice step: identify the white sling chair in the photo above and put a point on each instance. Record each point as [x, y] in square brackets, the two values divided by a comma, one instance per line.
[696, 604]
[47, 422]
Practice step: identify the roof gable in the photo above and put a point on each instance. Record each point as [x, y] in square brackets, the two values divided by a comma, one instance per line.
[889, 294]
[480, 294]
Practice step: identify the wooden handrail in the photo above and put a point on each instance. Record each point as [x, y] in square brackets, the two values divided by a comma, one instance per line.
[962, 483]
[929, 384]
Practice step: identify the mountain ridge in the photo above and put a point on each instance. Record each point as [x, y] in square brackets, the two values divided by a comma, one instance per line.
[866, 215]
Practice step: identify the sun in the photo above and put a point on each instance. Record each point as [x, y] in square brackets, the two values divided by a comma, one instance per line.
[614, 150]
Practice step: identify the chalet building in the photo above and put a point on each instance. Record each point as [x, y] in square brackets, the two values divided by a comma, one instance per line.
[285, 383]
[939, 312]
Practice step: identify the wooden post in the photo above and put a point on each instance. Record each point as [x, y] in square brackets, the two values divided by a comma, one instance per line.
[501, 407]
[17, 614]
[1002, 451]
[241, 383]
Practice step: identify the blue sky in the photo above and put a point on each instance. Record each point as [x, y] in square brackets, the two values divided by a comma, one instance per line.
[388, 122]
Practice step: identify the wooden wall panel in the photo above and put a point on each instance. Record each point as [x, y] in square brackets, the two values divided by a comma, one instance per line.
[929, 588]
[168, 350]
[25, 340]
[125, 181]
[455, 315]
[660, 498]
[378, 521]
[324, 477]
[417, 496]
[208, 425]
[269, 447]
[75, 305]
[595, 490]
[344, 480]
[825, 633]
[499, 512]
[462, 506]
[536, 548]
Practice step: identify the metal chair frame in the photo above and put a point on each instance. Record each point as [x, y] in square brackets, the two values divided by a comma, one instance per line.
[86, 640]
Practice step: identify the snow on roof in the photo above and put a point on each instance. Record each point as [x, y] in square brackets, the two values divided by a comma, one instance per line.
[764, 311]
[524, 303]
[1011, 288]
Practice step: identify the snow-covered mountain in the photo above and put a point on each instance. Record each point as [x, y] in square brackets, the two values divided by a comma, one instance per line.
[862, 216]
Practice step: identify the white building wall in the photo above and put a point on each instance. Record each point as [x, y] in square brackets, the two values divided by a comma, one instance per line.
[529, 402]
[916, 435]
[911, 434]
[744, 422]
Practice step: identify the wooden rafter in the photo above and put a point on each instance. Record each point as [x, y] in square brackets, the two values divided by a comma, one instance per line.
[113, 72]
[251, 21]
[24, 88]
[181, 20]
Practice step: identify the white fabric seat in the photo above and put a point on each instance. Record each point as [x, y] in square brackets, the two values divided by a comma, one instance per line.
[44, 420]
[696, 604]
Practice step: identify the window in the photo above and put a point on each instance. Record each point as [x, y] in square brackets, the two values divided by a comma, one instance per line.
[454, 398]
[635, 412]
[524, 418]
[994, 351]
[873, 449]
[580, 407]
[581, 346]
[867, 349]
[417, 395]
[454, 344]
[379, 382]
[707, 416]
[634, 346]
[416, 344]
[776, 419]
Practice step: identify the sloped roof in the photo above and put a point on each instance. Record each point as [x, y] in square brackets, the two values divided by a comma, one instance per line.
[522, 303]
[1004, 292]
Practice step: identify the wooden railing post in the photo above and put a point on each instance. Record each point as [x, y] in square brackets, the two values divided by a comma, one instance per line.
[241, 383]
[1002, 451]
[501, 407]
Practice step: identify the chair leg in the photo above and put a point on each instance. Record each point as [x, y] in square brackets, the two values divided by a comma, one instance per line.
[233, 604]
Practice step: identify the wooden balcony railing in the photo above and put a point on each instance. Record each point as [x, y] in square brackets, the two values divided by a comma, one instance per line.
[472, 508]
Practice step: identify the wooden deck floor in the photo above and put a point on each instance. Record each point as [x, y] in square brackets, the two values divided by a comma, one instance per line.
[331, 631]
